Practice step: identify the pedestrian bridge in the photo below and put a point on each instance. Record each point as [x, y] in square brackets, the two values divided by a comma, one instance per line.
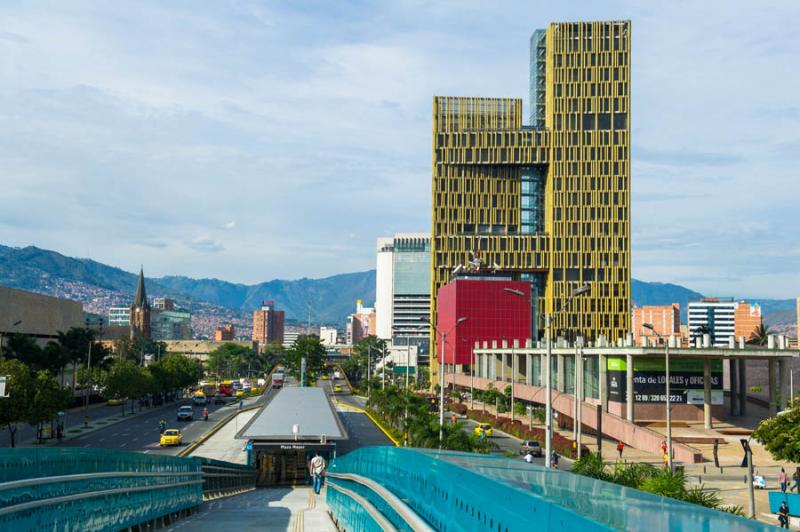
[454, 491]
[372, 488]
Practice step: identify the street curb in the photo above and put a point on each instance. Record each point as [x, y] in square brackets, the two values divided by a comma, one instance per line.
[371, 417]
[213, 430]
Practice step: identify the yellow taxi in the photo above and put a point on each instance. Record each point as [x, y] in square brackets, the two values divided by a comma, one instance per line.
[337, 389]
[239, 393]
[325, 377]
[484, 428]
[171, 437]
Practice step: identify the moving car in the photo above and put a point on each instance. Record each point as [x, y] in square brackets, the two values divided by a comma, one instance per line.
[484, 428]
[325, 377]
[532, 446]
[219, 399]
[171, 437]
[115, 402]
[240, 393]
[337, 389]
[186, 413]
[200, 399]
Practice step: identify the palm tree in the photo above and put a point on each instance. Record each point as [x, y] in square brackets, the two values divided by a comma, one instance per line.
[760, 335]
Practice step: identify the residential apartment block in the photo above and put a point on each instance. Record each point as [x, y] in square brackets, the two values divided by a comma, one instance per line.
[723, 319]
[268, 324]
[665, 319]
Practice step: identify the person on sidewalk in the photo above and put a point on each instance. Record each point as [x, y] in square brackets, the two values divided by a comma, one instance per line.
[620, 448]
[663, 447]
[794, 485]
[554, 460]
[782, 480]
[316, 468]
[716, 452]
[783, 515]
[528, 457]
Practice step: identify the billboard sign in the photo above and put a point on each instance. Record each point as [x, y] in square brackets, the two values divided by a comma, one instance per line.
[649, 380]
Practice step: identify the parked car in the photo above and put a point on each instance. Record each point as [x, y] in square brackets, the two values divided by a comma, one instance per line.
[532, 446]
[484, 428]
[171, 437]
[186, 413]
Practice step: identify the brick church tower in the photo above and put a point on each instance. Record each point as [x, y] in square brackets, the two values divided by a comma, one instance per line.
[140, 311]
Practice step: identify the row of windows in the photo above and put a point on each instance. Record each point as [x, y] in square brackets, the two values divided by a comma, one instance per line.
[572, 90]
[604, 104]
[571, 183]
[492, 155]
[590, 121]
[491, 139]
[589, 60]
[605, 74]
[595, 137]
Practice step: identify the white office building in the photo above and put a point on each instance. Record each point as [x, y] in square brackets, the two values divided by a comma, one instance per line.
[715, 317]
[119, 316]
[328, 336]
[402, 291]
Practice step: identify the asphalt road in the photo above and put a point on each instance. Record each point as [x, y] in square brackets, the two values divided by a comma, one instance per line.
[141, 432]
[361, 430]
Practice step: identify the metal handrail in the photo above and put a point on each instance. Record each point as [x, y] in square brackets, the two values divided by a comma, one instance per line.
[379, 518]
[408, 515]
[86, 476]
[88, 495]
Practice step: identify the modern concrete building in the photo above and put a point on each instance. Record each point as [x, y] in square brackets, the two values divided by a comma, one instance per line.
[548, 203]
[226, 333]
[475, 308]
[623, 385]
[37, 315]
[328, 336]
[361, 323]
[140, 311]
[289, 337]
[119, 317]
[268, 324]
[666, 319]
[402, 292]
[723, 319]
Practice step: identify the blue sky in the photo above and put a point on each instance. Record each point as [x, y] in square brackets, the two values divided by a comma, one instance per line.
[254, 140]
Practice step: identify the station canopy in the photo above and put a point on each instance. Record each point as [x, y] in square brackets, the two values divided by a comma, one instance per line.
[308, 408]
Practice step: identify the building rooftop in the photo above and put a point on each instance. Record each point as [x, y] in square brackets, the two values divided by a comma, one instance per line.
[307, 407]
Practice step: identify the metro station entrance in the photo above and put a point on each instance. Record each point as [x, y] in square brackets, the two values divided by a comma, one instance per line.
[286, 464]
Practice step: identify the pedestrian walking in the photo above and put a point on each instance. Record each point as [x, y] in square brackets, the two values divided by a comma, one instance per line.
[620, 448]
[783, 515]
[782, 480]
[716, 452]
[666, 460]
[794, 485]
[316, 468]
[554, 460]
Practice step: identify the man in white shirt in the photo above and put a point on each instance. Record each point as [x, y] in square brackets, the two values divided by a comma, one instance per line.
[528, 457]
[316, 468]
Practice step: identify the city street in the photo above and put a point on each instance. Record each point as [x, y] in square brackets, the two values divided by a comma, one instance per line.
[141, 432]
[361, 431]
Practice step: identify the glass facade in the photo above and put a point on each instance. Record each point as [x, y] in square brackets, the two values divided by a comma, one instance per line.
[537, 78]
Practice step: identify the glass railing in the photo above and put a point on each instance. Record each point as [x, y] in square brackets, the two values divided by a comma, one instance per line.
[467, 491]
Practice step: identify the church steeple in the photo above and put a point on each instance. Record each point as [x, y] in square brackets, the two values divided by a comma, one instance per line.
[140, 311]
[141, 296]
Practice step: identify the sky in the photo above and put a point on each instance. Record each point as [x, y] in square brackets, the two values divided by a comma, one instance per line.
[249, 140]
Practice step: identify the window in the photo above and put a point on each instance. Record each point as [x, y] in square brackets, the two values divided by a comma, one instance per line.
[588, 121]
[620, 120]
[604, 121]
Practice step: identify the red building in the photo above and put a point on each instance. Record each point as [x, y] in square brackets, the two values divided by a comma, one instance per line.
[492, 314]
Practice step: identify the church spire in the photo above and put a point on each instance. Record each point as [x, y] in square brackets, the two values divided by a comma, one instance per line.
[140, 300]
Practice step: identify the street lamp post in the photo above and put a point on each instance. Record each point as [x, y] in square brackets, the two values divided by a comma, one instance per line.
[667, 390]
[443, 336]
[548, 319]
[405, 392]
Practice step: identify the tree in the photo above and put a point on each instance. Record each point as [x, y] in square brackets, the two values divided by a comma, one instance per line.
[232, 359]
[367, 350]
[125, 379]
[780, 435]
[760, 336]
[308, 347]
[48, 399]
[14, 408]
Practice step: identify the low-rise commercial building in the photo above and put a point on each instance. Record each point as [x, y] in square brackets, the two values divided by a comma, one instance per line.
[37, 315]
[328, 336]
[665, 319]
[119, 317]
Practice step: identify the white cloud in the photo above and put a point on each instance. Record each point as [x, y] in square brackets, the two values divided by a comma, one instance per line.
[131, 129]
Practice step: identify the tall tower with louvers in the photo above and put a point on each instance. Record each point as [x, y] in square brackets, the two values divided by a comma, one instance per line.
[548, 202]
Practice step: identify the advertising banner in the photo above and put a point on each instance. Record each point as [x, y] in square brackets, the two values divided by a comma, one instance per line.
[649, 380]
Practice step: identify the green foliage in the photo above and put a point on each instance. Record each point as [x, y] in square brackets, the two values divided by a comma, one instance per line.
[18, 387]
[47, 399]
[232, 360]
[308, 347]
[367, 349]
[780, 435]
[659, 481]
[760, 336]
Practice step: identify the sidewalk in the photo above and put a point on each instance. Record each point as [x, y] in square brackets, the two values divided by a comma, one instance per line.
[222, 445]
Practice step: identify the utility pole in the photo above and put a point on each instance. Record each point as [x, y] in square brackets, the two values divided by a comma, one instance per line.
[308, 325]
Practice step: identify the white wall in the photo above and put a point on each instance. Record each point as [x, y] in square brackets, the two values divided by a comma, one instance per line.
[383, 290]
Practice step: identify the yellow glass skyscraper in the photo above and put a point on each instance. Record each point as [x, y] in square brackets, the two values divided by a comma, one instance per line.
[548, 202]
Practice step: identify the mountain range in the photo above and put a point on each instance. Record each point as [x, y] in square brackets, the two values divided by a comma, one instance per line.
[330, 299]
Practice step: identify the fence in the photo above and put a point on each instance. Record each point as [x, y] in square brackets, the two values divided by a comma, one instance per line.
[98, 489]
